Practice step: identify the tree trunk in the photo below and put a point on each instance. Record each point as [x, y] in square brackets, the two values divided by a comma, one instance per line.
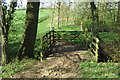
[59, 5]
[68, 12]
[95, 19]
[94, 12]
[5, 22]
[102, 57]
[52, 20]
[2, 43]
[29, 36]
[118, 16]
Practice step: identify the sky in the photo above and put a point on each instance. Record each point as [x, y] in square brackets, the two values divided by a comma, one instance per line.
[65, 0]
[22, 3]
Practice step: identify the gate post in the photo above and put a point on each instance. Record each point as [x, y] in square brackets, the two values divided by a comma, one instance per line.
[94, 47]
[41, 47]
[50, 38]
[53, 36]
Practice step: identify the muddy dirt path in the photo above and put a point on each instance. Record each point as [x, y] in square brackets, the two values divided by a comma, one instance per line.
[62, 63]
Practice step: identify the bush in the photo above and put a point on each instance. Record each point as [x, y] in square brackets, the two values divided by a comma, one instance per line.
[103, 27]
[110, 45]
[111, 50]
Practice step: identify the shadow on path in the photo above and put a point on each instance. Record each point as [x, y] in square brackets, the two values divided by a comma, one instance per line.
[62, 63]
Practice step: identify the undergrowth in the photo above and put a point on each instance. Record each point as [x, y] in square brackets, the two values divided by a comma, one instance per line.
[99, 70]
[92, 69]
[16, 66]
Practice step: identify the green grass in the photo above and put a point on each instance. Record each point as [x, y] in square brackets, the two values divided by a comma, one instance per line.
[91, 69]
[109, 37]
[43, 27]
[20, 15]
[15, 38]
[16, 66]
[16, 31]
[98, 70]
[44, 12]
[69, 28]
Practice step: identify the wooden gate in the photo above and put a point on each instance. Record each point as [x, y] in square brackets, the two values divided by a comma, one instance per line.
[50, 38]
[47, 42]
[67, 35]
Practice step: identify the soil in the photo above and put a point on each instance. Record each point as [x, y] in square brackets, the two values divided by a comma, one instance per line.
[63, 62]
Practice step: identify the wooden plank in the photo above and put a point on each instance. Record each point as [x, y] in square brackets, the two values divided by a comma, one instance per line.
[46, 34]
[67, 39]
[68, 31]
[68, 34]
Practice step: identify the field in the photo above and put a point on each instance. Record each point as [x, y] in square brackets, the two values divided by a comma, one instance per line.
[90, 69]
[17, 29]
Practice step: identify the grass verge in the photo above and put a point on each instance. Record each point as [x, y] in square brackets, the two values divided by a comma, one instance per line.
[99, 70]
[16, 66]
[91, 69]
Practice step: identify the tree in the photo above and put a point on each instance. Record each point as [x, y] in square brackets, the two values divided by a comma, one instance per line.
[102, 56]
[6, 21]
[1, 50]
[29, 36]
[118, 16]
[59, 8]
[68, 11]
[53, 15]
[65, 12]
[95, 18]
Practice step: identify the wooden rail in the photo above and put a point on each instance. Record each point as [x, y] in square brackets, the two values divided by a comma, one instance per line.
[67, 35]
[47, 43]
[49, 39]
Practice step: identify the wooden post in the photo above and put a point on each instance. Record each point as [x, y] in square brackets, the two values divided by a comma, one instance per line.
[94, 48]
[41, 47]
[53, 36]
[81, 27]
[50, 39]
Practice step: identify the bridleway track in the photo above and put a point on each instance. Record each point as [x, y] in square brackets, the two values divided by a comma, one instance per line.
[62, 63]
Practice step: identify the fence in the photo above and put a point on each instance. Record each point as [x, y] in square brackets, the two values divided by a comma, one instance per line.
[50, 38]
[67, 35]
[94, 48]
[47, 42]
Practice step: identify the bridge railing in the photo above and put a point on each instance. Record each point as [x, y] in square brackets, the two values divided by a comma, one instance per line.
[94, 47]
[47, 42]
[67, 35]
[49, 39]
